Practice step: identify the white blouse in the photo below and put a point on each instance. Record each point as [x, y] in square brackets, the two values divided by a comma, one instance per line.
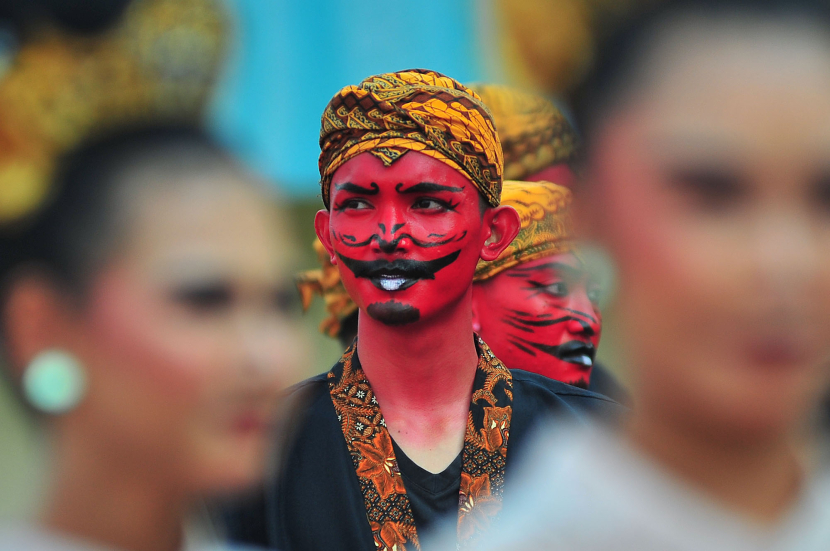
[599, 494]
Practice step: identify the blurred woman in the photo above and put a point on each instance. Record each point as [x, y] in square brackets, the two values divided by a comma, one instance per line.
[708, 182]
[147, 318]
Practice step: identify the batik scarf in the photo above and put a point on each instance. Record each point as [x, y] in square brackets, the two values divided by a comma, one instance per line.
[544, 210]
[484, 456]
[416, 110]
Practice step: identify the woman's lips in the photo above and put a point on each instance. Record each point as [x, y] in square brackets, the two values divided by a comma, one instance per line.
[251, 423]
[778, 354]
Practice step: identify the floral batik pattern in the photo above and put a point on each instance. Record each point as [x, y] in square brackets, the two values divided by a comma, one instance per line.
[484, 456]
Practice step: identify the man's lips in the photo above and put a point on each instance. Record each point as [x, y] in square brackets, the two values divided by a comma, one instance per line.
[577, 352]
[398, 274]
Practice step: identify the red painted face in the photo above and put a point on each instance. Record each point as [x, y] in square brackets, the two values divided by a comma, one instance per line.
[542, 316]
[406, 237]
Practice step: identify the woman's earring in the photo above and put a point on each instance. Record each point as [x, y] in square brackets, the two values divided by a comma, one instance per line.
[54, 382]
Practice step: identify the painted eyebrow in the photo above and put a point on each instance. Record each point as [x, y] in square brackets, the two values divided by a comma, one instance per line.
[373, 188]
[566, 268]
[426, 187]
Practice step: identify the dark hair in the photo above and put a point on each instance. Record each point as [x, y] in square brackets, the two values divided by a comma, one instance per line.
[621, 52]
[88, 16]
[73, 232]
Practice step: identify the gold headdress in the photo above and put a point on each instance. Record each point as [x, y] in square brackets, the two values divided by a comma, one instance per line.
[159, 62]
[544, 209]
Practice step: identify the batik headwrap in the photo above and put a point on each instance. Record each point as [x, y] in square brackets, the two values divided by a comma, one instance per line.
[326, 283]
[534, 133]
[547, 227]
[416, 110]
[483, 458]
[157, 63]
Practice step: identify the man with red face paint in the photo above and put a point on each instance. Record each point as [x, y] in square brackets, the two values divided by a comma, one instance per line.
[539, 144]
[419, 419]
[535, 304]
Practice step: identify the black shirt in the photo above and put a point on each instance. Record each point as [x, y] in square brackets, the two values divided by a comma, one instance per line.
[316, 502]
[432, 496]
[605, 383]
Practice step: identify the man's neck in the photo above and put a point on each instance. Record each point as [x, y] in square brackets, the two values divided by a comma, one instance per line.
[422, 374]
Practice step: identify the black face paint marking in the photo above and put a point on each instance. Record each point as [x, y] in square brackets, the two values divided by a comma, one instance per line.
[398, 274]
[521, 323]
[373, 188]
[427, 187]
[584, 314]
[392, 246]
[515, 325]
[568, 271]
[393, 313]
[343, 238]
[522, 347]
[396, 227]
[567, 352]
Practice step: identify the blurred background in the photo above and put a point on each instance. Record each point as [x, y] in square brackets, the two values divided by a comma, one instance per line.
[286, 59]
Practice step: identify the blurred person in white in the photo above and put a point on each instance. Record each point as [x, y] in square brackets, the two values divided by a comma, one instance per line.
[707, 127]
[147, 320]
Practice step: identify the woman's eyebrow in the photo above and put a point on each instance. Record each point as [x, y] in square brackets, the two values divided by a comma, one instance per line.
[426, 187]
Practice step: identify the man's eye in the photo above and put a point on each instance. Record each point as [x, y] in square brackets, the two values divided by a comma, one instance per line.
[594, 295]
[353, 204]
[557, 289]
[431, 204]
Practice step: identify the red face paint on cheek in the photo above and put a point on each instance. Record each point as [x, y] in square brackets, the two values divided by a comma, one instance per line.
[406, 236]
[538, 317]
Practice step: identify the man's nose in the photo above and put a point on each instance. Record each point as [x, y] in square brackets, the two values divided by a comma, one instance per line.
[390, 229]
[584, 321]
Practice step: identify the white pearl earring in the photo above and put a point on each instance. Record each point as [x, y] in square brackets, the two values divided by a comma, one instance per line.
[54, 382]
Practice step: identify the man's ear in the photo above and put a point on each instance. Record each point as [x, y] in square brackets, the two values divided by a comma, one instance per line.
[321, 226]
[503, 223]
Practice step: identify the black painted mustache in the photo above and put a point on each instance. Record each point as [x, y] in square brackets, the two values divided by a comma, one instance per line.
[561, 352]
[403, 267]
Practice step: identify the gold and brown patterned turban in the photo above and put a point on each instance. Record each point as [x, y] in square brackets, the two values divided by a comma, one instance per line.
[547, 228]
[416, 110]
[326, 283]
[158, 63]
[534, 133]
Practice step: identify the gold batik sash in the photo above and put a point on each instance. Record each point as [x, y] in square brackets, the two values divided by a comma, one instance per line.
[483, 458]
